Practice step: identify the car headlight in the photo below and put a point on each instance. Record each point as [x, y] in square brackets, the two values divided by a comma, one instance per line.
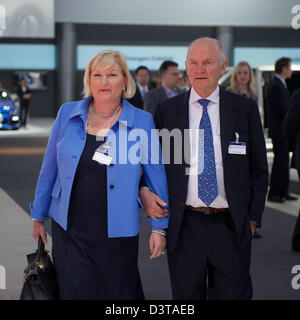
[6, 108]
[15, 118]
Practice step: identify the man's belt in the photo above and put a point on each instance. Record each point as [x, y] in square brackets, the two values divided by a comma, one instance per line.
[207, 210]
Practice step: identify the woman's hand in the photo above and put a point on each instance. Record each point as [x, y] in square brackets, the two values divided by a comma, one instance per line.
[39, 230]
[253, 227]
[157, 245]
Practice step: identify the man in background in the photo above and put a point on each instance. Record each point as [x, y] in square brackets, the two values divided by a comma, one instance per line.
[142, 75]
[277, 107]
[170, 86]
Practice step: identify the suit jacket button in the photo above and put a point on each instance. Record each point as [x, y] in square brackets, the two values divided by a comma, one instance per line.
[111, 165]
[111, 186]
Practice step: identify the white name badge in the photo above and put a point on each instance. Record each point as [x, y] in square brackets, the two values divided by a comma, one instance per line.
[102, 157]
[237, 148]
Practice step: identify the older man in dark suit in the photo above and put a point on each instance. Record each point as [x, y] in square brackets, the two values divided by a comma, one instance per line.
[217, 196]
[170, 86]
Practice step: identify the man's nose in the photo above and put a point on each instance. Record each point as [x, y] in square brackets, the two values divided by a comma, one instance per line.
[200, 69]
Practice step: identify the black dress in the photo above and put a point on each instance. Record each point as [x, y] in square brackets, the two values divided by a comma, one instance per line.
[89, 264]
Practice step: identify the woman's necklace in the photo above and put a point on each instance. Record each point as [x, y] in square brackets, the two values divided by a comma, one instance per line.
[100, 128]
[105, 114]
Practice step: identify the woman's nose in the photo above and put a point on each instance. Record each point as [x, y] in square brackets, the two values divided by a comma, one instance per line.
[104, 79]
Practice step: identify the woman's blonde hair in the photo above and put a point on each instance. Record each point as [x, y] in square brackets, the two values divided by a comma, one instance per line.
[106, 59]
[233, 81]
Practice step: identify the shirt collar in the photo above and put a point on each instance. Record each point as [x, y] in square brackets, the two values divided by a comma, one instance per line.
[213, 97]
[141, 87]
[169, 91]
[281, 79]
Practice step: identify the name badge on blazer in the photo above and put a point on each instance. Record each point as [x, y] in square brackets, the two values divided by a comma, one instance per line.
[101, 155]
[237, 148]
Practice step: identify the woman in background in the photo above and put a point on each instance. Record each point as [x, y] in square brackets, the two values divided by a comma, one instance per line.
[242, 81]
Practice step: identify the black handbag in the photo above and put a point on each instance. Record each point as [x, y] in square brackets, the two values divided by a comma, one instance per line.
[40, 282]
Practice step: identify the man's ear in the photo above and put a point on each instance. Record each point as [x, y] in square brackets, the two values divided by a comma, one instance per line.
[224, 65]
[186, 67]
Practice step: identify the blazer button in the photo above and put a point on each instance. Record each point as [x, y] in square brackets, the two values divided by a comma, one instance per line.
[111, 165]
[111, 186]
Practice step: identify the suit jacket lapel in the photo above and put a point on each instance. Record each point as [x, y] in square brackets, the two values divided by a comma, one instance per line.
[182, 121]
[163, 93]
[227, 121]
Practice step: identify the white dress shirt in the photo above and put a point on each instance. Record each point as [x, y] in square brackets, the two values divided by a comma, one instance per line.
[195, 114]
[143, 90]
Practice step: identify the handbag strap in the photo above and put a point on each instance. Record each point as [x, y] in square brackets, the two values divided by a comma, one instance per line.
[41, 248]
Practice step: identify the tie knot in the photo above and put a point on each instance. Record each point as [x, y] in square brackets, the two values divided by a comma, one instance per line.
[204, 102]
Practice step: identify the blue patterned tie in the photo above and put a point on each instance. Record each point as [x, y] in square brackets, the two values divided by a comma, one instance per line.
[207, 180]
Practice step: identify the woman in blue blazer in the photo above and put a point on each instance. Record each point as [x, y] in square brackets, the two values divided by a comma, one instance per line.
[89, 182]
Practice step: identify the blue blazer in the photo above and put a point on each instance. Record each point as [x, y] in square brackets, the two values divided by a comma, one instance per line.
[65, 146]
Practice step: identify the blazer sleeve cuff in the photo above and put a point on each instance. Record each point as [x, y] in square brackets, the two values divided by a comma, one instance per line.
[36, 215]
[159, 223]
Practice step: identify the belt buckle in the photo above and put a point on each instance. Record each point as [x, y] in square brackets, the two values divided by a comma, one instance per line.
[206, 211]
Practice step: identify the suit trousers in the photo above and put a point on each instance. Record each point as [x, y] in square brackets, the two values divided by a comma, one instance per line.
[207, 262]
[280, 179]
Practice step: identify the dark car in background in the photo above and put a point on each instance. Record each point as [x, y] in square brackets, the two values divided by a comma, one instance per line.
[9, 112]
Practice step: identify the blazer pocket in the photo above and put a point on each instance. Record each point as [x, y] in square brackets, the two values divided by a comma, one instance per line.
[56, 190]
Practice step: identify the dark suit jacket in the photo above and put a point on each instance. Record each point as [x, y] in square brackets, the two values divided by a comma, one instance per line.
[292, 128]
[137, 99]
[277, 106]
[153, 97]
[245, 176]
[20, 93]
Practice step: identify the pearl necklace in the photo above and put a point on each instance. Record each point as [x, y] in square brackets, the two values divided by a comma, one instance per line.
[105, 114]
